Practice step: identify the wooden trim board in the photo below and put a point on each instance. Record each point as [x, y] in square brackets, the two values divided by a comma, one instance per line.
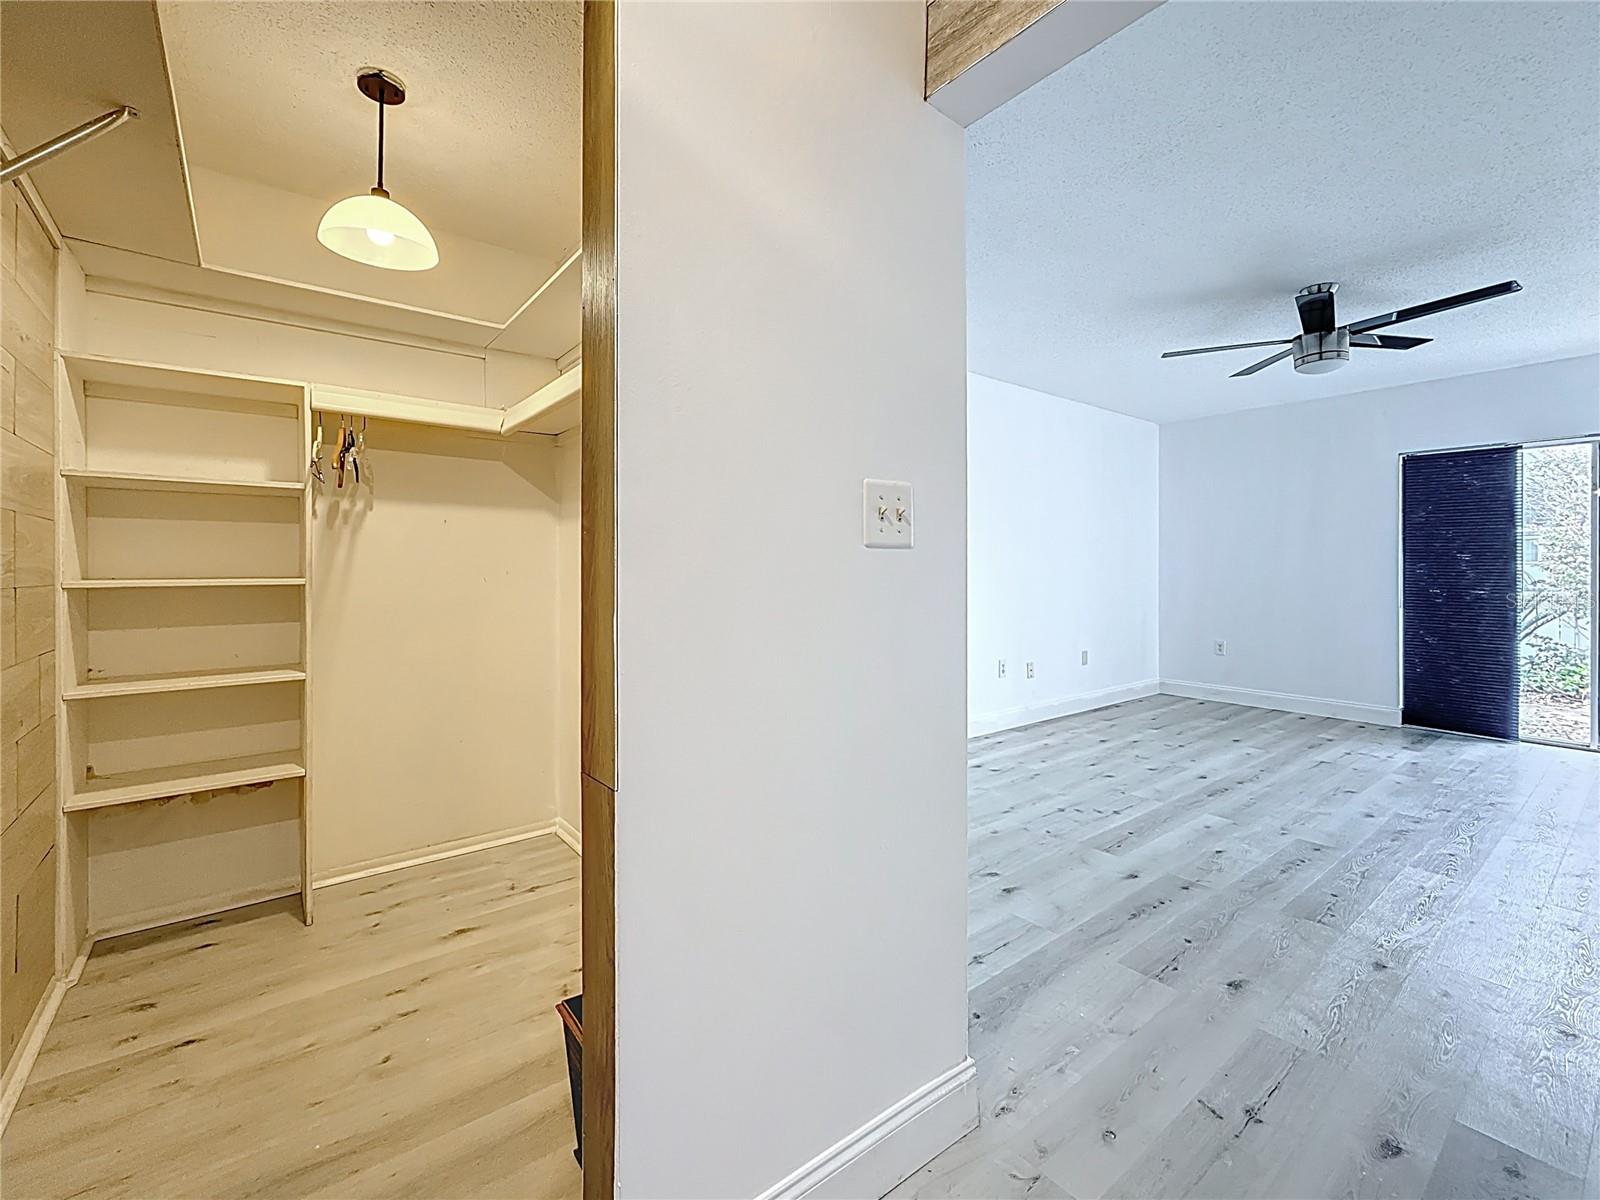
[569, 835]
[598, 583]
[599, 434]
[894, 1144]
[454, 849]
[21, 1064]
[599, 992]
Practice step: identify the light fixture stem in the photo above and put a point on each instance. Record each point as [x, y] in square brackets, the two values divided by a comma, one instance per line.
[381, 107]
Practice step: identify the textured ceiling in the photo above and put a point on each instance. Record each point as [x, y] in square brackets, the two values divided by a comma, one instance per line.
[1176, 185]
[486, 146]
[63, 64]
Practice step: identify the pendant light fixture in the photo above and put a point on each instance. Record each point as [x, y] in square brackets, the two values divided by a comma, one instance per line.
[373, 229]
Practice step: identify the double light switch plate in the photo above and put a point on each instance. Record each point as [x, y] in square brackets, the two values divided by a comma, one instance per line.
[886, 514]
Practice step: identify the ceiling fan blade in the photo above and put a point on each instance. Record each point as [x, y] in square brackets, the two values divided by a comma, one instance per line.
[1265, 362]
[1388, 341]
[1236, 346]
[1316, 310]
[1436, 306]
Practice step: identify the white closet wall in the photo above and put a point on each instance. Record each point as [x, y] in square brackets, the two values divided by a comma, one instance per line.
[434, 621]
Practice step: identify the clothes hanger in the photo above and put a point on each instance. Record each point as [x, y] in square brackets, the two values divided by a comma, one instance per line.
[316, 453]
[338, 462]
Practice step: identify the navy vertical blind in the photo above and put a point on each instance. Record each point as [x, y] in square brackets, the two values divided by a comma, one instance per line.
[1459, 522]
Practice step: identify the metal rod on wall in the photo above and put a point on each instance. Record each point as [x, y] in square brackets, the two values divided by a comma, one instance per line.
[10, 168]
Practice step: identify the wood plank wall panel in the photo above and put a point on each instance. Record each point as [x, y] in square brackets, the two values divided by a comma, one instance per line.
[598, 577]
[961, 32]
[27, 617]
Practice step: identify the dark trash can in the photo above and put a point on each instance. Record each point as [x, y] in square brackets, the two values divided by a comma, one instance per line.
[571, 1011]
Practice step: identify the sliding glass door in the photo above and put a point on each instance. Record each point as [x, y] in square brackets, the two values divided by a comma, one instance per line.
[1499, 591]
[1556, 594]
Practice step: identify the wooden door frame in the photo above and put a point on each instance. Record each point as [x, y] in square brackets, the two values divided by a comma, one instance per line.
[598, 725]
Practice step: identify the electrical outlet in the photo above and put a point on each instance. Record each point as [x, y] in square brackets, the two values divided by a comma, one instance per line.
[1002, 672]
[1085, 661]
[1219, 647]
[1030, 670]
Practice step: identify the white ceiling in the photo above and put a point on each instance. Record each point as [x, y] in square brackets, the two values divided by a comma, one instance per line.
[65, 63]
[1176, 186]
[487, 144]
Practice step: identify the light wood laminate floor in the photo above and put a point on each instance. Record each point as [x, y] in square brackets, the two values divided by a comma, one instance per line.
[404, 1046]
[1230, 952]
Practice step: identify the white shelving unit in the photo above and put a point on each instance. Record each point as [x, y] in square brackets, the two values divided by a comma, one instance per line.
[182, 645]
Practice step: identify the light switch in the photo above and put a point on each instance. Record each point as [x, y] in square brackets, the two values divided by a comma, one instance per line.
[885, 514]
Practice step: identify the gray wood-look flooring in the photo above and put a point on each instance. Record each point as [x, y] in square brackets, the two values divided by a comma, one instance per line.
[404, 1046]
[1231, 952]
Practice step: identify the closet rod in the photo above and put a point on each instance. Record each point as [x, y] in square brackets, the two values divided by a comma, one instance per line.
[10, 168]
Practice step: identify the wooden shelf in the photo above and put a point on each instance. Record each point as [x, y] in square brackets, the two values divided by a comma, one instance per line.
[109, 584]
[167, 782]
[554, 408]
[122, 481]
[99, 371]
[470, 417]
[181, 682]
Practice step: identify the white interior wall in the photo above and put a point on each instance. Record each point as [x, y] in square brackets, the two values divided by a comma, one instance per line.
[1280, 531]
[434, 663]
[790, 814]
[1062, 555]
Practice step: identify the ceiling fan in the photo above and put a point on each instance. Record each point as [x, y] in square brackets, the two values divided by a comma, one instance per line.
[1323, 344]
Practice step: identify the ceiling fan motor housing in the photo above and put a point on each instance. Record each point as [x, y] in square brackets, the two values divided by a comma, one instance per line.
[1319, 353]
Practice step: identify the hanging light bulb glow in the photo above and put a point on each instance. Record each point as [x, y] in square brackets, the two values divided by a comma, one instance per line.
[372, 228]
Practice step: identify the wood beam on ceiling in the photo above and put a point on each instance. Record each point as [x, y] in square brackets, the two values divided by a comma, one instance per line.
[981, 53]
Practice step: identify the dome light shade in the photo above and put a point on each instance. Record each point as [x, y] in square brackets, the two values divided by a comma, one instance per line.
[375, 230]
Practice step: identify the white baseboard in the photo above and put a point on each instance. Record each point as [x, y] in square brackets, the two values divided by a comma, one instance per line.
[1015, 718]
[444, 850]
[188, 910]
[891, 1146]
[211, 905]
[1311, 706]
[568, 833]
[27, 1051]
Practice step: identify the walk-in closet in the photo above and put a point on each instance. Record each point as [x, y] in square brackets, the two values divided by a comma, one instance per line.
[292, 365]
